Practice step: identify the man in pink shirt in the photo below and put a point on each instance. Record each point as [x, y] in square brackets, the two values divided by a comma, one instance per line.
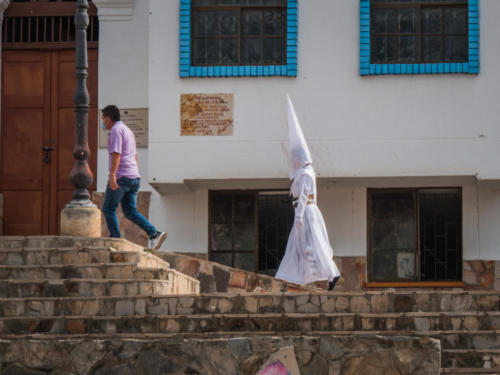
[124, 179]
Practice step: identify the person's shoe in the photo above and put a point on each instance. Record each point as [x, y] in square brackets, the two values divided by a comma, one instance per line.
[157, 240]
[331, 284]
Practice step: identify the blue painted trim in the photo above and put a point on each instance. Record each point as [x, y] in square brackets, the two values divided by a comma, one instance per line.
[366, 68]
[187, 70]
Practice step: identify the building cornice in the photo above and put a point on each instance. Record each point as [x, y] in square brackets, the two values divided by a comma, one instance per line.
[115, 10]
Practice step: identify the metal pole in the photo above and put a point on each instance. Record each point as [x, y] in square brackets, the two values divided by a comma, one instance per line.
[81, 176]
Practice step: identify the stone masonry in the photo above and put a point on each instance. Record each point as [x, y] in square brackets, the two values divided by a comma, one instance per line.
[103, 306]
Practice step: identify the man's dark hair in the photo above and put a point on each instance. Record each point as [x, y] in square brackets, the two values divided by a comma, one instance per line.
[112, 112]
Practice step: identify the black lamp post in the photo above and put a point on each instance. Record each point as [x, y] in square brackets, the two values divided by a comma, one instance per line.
[81, 176]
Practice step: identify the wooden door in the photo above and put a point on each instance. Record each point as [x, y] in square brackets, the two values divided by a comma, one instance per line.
[37, 113]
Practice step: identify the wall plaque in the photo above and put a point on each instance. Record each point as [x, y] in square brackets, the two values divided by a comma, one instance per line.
[207, 114]
[136, 119]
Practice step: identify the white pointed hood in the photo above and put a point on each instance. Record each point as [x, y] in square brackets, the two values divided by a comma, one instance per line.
[298, 152]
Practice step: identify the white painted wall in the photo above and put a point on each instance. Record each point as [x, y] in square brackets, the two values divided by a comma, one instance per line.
[363, 132]
[123, 73]
[422, 125]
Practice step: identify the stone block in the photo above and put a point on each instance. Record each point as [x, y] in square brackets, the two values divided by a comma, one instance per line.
[238, 279]
[225, 305]
[250, 304]
[342, 304]
[81, 222]
[380, 303]
[486, 280]
[125, 308]
[360, 304]
[91, 307]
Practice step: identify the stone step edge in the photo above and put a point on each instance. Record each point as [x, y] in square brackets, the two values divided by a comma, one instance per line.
[201, 335]
[70, 249]
[83, 299]
[470, 370]
[217, 316]
[83, 265]
[465, 351]
[62, 281]
[69, 238]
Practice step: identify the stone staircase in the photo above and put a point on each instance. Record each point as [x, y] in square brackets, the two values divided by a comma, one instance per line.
[60, 288]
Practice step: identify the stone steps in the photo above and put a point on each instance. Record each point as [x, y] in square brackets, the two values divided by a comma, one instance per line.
[274, 303]
[133, 319]
[84, 271]
[470, 371]
[246, 306]
[51, 242]
[74, 256]
[459, 358]
[86, 288]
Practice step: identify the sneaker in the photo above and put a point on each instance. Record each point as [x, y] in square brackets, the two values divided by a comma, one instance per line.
[157, 240]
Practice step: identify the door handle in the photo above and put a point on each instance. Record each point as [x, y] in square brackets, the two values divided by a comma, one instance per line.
[46, 153]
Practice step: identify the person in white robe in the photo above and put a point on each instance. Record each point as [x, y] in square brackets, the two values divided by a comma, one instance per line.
[308, 256]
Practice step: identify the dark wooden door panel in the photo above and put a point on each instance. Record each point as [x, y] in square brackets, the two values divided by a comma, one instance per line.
[22, 142]
[37, 112]
[23, 212]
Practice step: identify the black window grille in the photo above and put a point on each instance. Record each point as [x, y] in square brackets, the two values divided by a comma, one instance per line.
[415, 234]
[238, 32]
[417, 31]
[35, 24]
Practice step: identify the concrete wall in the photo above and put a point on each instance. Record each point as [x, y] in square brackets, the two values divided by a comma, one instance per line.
[416, 125]
[363, 132]
[123, 73]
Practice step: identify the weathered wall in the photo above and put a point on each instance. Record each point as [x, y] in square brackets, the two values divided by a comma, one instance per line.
[314, 355]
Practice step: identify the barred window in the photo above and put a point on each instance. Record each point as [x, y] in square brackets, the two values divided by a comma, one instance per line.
[238, 32]
[416, 31]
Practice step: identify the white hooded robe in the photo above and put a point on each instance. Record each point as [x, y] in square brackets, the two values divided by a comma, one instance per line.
[308, 256]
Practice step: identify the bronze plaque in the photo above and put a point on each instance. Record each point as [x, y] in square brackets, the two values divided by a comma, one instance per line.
[137, 121]
[207, 114]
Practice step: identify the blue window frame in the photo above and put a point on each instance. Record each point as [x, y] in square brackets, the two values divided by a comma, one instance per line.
[187, 69]
[470, 66]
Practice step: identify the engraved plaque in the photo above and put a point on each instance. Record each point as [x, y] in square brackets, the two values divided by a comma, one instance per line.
[137, 121]
[207, 114]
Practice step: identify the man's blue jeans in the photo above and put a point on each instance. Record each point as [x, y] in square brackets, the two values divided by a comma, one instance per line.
[127, 195]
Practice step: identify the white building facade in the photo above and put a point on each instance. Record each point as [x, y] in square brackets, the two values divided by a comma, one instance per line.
[407, 163]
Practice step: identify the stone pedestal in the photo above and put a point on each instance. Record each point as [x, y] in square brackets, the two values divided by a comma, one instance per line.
[81, 222]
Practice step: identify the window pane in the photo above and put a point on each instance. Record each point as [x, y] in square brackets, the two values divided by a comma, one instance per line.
[408, 20]
[431, 20]
[244, 237]
[251, 51]
[222, 208]
[211, 46]
[455, 20]
[199, 54]
[222, 258]
[273, 51]
[455, 48]
[251, 23]
[244, 208]
[392, 236]
[383, 21]
[244, 261]
[228, 51]
[440, 223]
[383, 48]
[432, 48]
[273, 22]
[203, 23]
[408, 49]
[221, 237]
[228, 23]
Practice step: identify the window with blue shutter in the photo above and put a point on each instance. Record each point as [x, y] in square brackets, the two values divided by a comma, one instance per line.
[226, 38]
[419, 36]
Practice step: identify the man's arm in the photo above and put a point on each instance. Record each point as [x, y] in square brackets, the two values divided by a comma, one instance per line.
[115, 162]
